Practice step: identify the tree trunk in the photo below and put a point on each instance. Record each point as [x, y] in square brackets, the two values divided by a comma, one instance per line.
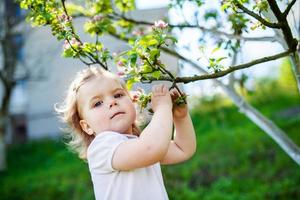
[280, 38]
[3, 165]
[296, 67]
[264, 123]
[4, 120]
[10, 47]
[294, 58]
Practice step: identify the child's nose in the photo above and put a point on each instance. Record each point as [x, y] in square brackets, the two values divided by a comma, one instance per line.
[113, 102]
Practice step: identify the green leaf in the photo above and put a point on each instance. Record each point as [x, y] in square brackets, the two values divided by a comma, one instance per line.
[146, 69]
[103, 6]
[152, 42]
[67, 53]
[210, 14]
[133, 59]
[215, 50]
[76, 9]
[131, 81]
[220, 59]
[111, 29]
[154, 53]
[125, 5]
[156, 74]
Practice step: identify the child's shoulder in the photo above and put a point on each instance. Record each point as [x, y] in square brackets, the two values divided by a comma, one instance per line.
[104, 145]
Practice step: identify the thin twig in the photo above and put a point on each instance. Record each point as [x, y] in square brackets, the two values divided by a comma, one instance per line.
[259, 18]
[89, 55]
[288, 8]
[213, 31]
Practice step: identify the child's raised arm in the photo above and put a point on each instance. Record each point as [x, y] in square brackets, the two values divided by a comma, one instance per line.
[153, 143]
[184, 144]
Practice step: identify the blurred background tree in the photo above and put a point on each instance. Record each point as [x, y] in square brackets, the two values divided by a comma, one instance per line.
[10, 44]
[142, 62]
[219, 31]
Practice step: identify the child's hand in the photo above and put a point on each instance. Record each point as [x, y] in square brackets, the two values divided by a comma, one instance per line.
[160, 97]
[179, 111]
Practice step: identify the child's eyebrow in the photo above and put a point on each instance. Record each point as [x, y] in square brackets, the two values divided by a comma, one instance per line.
[117, 89]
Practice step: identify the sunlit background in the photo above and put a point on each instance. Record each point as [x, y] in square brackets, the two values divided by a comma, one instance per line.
[235, 159]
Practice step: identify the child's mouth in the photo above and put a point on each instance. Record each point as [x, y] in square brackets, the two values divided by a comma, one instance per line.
[118, 113]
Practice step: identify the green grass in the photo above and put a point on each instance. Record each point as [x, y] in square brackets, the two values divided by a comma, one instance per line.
[44, 170]
[234, 160]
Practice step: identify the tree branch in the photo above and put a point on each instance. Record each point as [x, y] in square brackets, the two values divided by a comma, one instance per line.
[288, 8]
[214, 75]
[89, 55]
[2, 77]
[214, 31]
[202, 28]
[224, 72]
[286, 30]
[259, 18]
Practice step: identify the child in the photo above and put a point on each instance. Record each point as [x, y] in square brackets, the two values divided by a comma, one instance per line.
[123, 161]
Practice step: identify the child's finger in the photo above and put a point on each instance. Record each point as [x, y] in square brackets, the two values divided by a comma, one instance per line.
[164, 89]
[159, 89]
[174, 93]
[155, 89]
[174, 96]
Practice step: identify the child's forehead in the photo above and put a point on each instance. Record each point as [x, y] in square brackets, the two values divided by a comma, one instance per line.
[101, 83]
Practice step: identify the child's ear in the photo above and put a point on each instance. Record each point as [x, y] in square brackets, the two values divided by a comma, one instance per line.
[84, 125]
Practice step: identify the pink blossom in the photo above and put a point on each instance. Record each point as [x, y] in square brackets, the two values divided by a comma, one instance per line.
[135, 97]
[66, 45]
[75, 42]
[64, 18]
[120, 63]
[120, 73]
[97, 18]
[137, 32]
[160, 24]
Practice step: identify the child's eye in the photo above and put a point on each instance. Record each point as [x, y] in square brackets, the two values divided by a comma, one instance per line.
[119, 95]
[98, 103]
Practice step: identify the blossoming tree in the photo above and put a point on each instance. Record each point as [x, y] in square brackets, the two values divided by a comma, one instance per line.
[141, 63]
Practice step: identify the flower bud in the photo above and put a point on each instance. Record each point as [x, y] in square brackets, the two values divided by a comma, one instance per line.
[160, 24]
[120, 63]
[135, 97]
[120, 73]
[66, 45]
[75, 42]
[97, 18]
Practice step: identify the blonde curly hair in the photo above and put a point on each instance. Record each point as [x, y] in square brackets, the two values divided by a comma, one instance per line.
[69, 113]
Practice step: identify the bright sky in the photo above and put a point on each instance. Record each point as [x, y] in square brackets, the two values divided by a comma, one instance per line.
[146, 4]
[250, 51]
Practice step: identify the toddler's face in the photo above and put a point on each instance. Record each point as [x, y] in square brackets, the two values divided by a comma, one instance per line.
[105, 106]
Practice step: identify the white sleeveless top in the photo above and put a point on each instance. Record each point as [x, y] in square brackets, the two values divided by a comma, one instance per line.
[110, 184]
